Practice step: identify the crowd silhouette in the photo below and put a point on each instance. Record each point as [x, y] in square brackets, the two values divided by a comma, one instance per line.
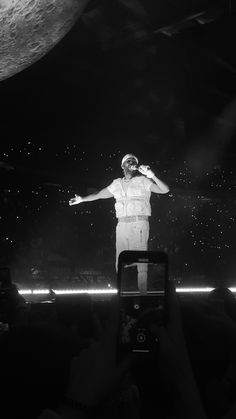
[67, 364]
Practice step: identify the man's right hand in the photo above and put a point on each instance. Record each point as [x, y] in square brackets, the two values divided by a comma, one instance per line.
[76, 200]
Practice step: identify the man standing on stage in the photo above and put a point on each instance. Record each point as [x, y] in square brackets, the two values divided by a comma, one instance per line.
[132, 194]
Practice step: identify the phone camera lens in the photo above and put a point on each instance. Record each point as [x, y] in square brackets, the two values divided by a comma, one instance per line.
[141, 337]
[136, 306]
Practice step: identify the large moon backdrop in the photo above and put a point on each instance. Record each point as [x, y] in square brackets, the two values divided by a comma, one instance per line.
[30, 28]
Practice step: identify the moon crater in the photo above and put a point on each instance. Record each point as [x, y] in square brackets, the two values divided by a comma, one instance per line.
[30, 28]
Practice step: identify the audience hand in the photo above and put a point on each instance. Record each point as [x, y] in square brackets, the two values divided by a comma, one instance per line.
[174, 362]
[95, 372]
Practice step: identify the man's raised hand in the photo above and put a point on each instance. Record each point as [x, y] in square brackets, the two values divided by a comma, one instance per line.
[76, 200]
[146, 171]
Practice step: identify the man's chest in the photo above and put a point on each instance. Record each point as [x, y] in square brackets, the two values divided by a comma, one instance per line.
[130, 189]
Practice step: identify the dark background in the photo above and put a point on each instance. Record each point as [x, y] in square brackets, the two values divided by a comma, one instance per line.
[154, 78]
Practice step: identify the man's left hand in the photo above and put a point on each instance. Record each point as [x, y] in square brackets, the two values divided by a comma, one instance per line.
[146, 171]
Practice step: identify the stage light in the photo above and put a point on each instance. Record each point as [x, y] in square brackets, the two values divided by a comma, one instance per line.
[67, 291]
[184, 290]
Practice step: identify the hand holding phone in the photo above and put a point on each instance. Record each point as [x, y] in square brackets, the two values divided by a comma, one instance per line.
[142, 280]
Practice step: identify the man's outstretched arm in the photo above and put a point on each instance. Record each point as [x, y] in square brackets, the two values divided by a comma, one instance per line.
[103, 194]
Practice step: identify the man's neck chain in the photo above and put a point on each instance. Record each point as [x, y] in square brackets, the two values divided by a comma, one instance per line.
[127, 180]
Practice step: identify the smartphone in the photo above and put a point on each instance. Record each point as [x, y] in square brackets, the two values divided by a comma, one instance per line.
[141, 281]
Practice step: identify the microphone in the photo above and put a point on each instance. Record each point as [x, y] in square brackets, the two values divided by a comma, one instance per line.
[134, 167]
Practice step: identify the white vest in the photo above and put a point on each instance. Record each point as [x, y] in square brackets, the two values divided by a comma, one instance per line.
[136, 199]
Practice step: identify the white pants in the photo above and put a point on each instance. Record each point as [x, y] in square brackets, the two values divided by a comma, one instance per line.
[131, 236]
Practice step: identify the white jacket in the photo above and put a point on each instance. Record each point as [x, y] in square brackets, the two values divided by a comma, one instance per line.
[136, 199]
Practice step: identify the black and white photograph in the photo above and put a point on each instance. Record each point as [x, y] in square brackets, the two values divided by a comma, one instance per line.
[118, 192]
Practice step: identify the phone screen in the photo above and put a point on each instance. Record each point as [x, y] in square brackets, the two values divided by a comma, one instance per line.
[142, 278]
